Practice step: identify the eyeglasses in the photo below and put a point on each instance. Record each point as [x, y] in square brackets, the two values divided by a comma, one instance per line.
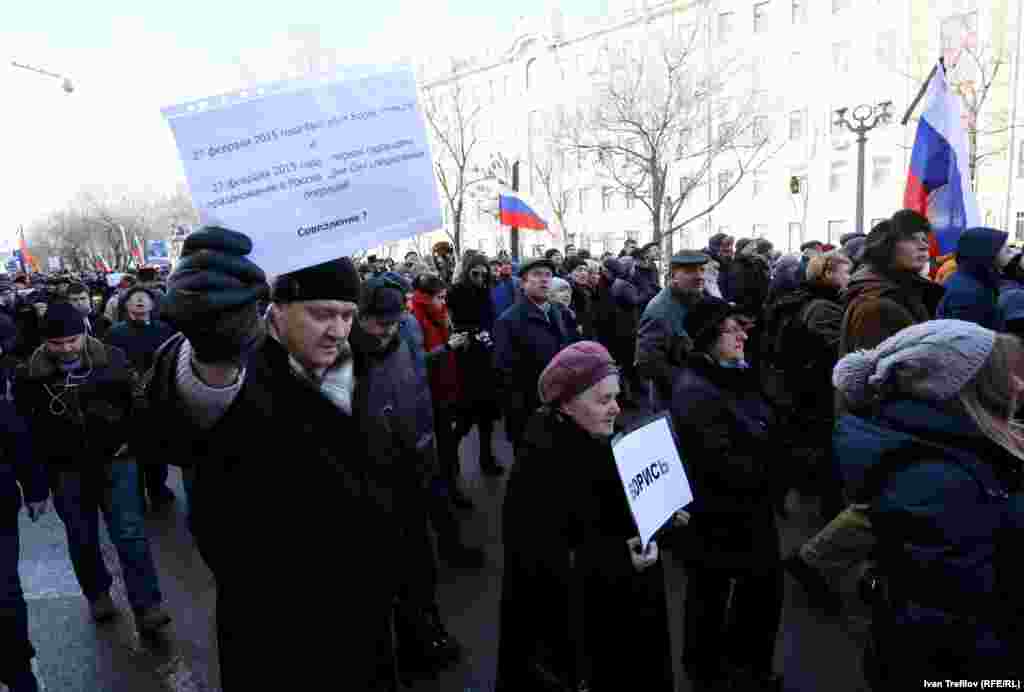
[478, 272]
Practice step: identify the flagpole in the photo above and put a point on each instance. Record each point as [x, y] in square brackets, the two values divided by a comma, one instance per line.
[921, 92]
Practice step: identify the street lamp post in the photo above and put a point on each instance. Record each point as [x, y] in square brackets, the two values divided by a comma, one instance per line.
[868, 118]
[65, 82]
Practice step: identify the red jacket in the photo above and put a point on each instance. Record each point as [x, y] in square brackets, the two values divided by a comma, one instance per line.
[444, 372]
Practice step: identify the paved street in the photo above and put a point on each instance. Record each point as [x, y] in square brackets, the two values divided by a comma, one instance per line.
[77, 656]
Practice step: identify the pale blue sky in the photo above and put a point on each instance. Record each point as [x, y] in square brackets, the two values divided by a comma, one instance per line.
[130, 58]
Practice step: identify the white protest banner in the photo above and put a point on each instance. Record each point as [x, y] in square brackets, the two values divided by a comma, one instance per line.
[652, 475]
[311, 169]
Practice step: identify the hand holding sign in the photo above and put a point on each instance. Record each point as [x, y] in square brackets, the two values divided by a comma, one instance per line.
[653, 476]
[642, 557]
[311, 169]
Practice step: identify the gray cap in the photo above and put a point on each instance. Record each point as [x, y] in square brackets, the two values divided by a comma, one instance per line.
[536, 263]
[689, 258]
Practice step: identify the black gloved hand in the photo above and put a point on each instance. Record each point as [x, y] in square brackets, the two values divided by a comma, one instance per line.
[214, 294]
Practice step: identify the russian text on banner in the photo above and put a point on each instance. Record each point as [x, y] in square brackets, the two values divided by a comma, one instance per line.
[311, 169]
[652, 475]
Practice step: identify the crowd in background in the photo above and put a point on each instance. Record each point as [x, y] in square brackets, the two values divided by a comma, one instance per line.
[869, 375]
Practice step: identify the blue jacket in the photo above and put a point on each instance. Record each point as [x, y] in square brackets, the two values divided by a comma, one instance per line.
[505, 294]
[525, 341]
[972, 293]
[945, 504]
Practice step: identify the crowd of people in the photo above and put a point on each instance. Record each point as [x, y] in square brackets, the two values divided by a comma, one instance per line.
[869, 375]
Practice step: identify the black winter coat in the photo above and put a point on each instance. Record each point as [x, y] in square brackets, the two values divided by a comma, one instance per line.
[525, 341]
[725, 434]
[749, 280]
[139, 341]
[78, 426]
[472, 310]
[283, 477]
[564, 496]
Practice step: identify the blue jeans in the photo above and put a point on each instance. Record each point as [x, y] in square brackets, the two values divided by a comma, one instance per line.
[15, 648]
[113, 489]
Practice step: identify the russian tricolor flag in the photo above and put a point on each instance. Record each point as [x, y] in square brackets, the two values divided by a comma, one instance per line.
[515, 212]
[938, 183]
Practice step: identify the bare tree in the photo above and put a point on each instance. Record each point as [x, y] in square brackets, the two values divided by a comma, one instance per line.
[550, 175]
[666, 112]
[454, 120]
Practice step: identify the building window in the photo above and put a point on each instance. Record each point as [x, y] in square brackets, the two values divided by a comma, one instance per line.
[530, 72]
[761, 125]
[1020, 225]
[796, 234]
[836, 229]
[880, 171]
[505, 86]
[957, 34]
[840, 5]
[835, 180]
[760, 230]
[760, 17]
[606, 199]
[796, 125]
[583, 200]
[1020, 161]
[633, 236]
[630, 199]
[726, 26]
[567, 201]
[841, 57]
[799, 11]
[724, 182]
[760, 182]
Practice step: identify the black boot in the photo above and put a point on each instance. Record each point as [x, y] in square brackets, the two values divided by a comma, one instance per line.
[488, 464]
[20, 679]
[819, 591]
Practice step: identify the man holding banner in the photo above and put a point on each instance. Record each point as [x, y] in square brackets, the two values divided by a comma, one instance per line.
[224, 392]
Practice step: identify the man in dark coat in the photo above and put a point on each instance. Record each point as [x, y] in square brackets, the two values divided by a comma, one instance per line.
[95, 325]
[662, 341]
[17, 466]
[582, 303]
[526, 338]
[214, 395]
[75, 393]
[645, 272]
[721, 248]
[139, 337]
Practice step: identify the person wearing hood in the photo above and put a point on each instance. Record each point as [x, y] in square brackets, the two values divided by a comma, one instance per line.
[790, 271]
[934, 453]
[888, 293]
[731, 543]
[972, 293]
[472, 313]
[750, 277]
[569, 539]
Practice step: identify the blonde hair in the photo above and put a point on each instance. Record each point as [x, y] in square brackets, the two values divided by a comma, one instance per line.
[822, 264]
[990, 398]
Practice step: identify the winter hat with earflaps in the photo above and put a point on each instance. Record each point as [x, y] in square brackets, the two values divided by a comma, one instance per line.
[931, 361]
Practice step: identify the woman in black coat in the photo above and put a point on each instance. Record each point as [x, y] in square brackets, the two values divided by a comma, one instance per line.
[577, 602]
[725, 432]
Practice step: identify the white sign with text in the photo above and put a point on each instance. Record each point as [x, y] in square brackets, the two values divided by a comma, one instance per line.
[652, 475]
[311, 169]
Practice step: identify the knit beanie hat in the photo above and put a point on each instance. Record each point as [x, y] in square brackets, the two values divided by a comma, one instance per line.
[381, 299]
[337, 279]
[931, 361]
[62, 320]
[574, 370]
[214, 276]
